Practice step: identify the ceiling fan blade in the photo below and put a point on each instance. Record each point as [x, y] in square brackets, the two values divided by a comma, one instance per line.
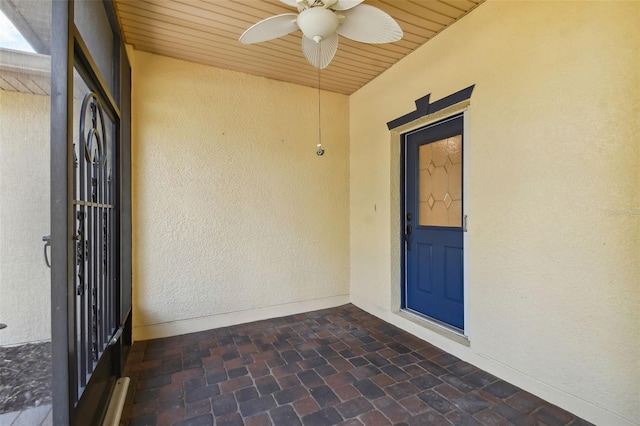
[368, 24]
[270, 28]
[320, 54]
[346, 4]
[293, 3]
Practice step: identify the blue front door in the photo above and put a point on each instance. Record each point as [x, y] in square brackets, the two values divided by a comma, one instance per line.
[433, 222]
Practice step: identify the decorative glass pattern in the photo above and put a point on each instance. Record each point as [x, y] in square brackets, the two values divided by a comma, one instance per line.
[440, 183]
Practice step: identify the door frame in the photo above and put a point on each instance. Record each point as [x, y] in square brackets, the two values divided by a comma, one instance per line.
[460, 104]
[67, 48]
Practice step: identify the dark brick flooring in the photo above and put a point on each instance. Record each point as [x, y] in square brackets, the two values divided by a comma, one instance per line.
[335, 366]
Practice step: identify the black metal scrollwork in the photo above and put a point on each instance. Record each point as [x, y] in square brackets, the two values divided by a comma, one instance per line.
[95, 132]
[80, 253]
[105, 239]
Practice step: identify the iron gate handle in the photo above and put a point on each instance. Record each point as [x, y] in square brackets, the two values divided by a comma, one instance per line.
[116, 336]
[406, 237]
[47, 243]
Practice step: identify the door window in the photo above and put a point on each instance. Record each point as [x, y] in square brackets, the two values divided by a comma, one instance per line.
[440, 183]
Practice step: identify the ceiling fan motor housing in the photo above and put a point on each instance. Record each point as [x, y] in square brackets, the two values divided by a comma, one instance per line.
[317, 23]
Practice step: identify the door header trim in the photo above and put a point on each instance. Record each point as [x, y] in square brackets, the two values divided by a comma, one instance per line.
[423, 107]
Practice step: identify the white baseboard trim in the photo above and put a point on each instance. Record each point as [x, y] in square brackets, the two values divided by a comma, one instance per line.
[192, 325]
[571, 403]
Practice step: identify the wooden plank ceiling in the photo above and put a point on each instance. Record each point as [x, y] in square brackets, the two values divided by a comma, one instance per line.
[207, 32]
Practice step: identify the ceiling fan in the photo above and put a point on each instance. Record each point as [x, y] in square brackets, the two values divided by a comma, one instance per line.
[321, 21]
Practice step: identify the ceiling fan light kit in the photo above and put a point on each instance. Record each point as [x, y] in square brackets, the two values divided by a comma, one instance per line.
[321, 21]
[317, 23]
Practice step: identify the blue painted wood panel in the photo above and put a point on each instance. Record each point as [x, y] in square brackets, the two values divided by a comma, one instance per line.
[434, 273]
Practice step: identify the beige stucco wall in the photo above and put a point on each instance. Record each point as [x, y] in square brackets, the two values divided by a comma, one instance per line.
[24, 217]
[552, 193]
[233, 211]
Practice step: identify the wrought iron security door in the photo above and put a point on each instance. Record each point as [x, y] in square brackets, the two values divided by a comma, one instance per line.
[90, 209]
[94, 207]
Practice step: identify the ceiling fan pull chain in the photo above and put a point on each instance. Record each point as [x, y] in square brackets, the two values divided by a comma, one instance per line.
[319, 150]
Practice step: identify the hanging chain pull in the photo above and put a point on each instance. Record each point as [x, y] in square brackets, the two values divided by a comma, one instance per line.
[319, 151]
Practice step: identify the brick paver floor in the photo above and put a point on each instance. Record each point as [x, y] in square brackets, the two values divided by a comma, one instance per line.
[334, 366]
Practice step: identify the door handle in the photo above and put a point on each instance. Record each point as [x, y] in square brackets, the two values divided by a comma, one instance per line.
[47, 243]
[406, 237]
[116, 336]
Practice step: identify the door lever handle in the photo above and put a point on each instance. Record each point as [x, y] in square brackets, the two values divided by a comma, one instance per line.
[47, 243]
[406, 237]
[116, 336]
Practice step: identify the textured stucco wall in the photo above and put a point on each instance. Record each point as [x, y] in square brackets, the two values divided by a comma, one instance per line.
[553, 194]
[233, 211]
[24, 217]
